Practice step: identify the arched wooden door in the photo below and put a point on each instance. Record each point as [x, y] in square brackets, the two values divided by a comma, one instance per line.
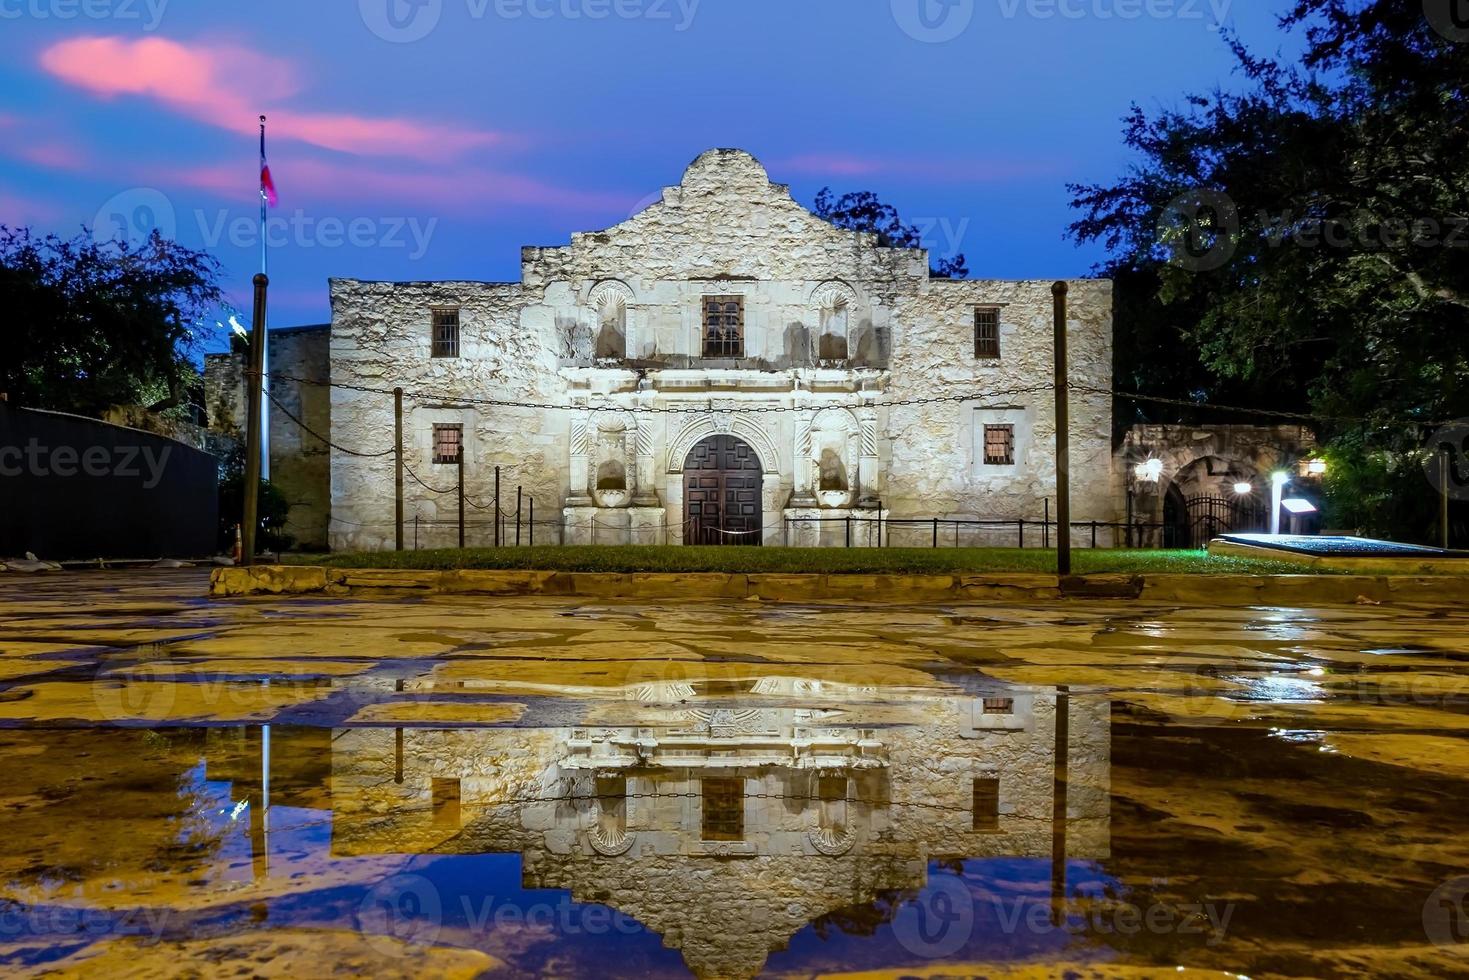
[721, 493]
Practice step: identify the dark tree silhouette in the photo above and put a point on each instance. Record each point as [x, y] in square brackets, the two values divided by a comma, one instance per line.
[90, 325]
[864, 211]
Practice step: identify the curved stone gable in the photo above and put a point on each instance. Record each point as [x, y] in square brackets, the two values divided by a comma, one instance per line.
[725, 220]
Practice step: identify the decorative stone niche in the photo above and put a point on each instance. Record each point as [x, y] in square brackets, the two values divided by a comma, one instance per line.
[609, 302]
[611, 488]
[611, 499]
[827, 456]
[836, 305]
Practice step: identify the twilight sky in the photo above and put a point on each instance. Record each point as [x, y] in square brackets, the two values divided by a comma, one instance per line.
[430, 139]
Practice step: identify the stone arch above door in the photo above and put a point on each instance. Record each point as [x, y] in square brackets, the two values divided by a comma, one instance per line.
[739, 426]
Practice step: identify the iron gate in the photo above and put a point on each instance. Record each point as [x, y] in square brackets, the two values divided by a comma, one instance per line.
[1205, 518]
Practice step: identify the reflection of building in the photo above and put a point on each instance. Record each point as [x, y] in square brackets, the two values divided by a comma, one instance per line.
[726, 820]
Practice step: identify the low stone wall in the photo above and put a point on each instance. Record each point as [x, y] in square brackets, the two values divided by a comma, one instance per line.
[1236, 590]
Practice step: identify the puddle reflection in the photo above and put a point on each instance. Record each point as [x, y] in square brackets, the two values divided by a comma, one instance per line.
[721, 827]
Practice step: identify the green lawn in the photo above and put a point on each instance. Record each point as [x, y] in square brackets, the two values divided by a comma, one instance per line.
[818, 560]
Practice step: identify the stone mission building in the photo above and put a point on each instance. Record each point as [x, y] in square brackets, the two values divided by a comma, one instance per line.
[722, 367]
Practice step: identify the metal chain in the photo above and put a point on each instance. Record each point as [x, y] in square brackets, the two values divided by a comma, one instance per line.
[312, 432]
[1244, 410]
[439, 399]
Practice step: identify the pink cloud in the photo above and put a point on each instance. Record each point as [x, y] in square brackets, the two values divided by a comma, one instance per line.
[370, 190]
[228, 86]
[17, 210]
[55, 155]
[952, 171]
[40, 142]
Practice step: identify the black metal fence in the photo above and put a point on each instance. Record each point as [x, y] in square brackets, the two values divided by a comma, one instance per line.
[521, 529]
[943, 532]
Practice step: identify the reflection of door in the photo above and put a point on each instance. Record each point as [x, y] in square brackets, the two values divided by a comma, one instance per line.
[721, 493]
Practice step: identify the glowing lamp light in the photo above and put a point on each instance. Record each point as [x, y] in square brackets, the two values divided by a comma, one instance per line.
[1278, 480]
[1316, 467]
[1298, 506]
[239, 328]
[1244, 489]
[1150, 471]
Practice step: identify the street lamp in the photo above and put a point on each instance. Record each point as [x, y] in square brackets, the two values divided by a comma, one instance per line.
[1278, 481]
[1149, 471]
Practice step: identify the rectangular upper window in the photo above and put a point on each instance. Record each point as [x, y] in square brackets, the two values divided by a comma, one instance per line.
[986, 804]
[724, 326]
[724, 810]
[999, 706]
[448, 443]
[986, 332]
[446, 333]
[999, 445]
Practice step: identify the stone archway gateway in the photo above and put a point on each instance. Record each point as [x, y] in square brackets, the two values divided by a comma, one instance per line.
[722, 487]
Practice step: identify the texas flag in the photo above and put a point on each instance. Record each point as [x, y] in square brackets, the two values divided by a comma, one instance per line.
[267, 185]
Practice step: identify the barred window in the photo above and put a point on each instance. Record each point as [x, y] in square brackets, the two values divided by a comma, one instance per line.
[446, 333]
[986, 332]
[724, 810]
[724, 326]
[448, 443]
[999, 706]
[987, 804]
[999, 445]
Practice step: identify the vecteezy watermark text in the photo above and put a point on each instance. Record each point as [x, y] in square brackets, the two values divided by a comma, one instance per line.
[409, 909]
[37, 459]
[941, 920]
[1202, 229]
[133, 215]
[148, 12]
[52, 922]
[406, 21]
[937, 21]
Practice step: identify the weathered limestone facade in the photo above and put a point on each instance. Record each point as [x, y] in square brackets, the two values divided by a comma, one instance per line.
[300, 463]
[602, 342]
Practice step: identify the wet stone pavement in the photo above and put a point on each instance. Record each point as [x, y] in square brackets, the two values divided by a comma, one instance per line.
[541, 786]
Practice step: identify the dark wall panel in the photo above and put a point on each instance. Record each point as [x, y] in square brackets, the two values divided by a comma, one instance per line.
[75, 488]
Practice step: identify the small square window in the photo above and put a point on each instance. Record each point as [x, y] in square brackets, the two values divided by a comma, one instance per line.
[448, 443]
[446, 333]
[724, 810]
[999, 706]
[986, 333]
[986, 804]
[999, 445]
[724, 326]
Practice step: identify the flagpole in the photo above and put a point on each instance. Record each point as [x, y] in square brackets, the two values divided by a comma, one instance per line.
[265, 344]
